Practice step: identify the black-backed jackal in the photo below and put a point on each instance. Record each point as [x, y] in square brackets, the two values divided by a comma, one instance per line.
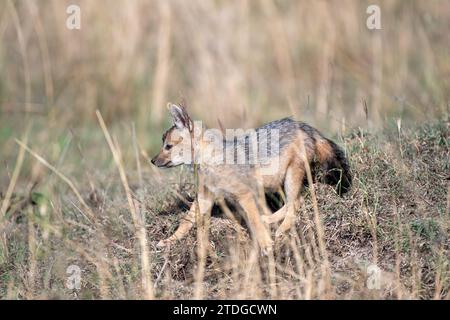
[243, 166]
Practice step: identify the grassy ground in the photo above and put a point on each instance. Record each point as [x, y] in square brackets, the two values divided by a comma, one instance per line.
[396, 217]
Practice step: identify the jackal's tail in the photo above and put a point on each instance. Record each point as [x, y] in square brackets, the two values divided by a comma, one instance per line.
[333, 162]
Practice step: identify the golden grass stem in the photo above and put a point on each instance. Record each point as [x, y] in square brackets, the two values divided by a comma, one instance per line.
[23, 52]
[13, 181]
[32, 259]
[161, 77]
[138, 219]
[89, 212]
[326, 271]
[136, 154]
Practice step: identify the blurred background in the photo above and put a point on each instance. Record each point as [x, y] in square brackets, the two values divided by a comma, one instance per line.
[243, 62]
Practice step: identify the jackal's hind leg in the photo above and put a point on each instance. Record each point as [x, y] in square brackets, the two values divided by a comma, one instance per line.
[257, 226]
[276, 216]
[292, 186]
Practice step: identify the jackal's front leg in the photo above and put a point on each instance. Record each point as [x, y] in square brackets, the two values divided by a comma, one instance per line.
[203, 206]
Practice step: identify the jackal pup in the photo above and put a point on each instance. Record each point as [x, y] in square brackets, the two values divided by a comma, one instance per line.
[241, 167]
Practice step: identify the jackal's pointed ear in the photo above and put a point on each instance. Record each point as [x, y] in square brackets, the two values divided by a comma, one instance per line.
[180, 117]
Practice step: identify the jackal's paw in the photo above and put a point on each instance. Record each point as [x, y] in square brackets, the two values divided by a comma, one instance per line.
[280, 236]
[164, 243]
[281, 233]
[284, 228]
[265, 252]
[266, 219]
[266, 246]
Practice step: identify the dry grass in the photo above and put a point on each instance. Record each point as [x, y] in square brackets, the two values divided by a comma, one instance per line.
[396, 217]
[103, 208]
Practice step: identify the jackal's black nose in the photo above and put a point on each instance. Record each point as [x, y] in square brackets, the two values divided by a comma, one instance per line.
[152, 161]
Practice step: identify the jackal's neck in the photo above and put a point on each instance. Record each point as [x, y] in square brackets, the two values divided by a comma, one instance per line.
[205, 143]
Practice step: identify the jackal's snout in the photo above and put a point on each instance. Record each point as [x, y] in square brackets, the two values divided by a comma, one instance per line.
[160, 161]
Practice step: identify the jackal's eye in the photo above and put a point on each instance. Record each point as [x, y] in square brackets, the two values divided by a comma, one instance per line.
[168, 146]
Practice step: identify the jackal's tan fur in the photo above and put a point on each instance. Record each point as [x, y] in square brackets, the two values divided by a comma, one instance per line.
[298, 143]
